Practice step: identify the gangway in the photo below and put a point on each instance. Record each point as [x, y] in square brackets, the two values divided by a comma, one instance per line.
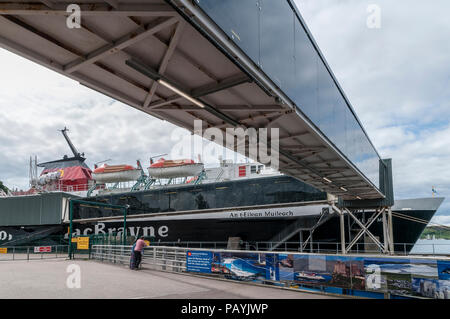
[298, 227]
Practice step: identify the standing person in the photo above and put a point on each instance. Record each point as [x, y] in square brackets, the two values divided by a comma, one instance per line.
[140, 244]
[132, 257]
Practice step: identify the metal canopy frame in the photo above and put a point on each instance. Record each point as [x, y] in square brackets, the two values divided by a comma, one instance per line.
[387, 246]
[180, 45]
[72, 201]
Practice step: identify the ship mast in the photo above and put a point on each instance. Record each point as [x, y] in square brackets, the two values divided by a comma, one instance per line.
[72, 147]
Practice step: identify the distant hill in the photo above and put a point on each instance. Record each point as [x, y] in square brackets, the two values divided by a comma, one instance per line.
[438, 232]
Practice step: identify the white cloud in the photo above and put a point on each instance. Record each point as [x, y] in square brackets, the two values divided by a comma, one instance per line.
[397, 80]
[36, 102]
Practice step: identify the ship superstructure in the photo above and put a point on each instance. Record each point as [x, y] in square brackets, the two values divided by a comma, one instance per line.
[69, 174]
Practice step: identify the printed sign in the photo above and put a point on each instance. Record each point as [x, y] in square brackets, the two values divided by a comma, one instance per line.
[199, 261]
[83, 243]
[3, 250]
[405, 277]
[42, 249]
[147, 242]
[74, 240]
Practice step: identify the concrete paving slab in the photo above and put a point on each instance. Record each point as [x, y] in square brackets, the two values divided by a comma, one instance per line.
[47, 279]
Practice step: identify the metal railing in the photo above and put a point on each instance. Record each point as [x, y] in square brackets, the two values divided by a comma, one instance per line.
[174, 259]
[431, 249]
[164, 258]
[29, 253]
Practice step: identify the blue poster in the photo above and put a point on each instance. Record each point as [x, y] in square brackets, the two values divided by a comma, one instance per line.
[443, 269]
[272, 271]
[423, 277]
[199, 261]
[388, 275]
[240, 266]
[285, 267]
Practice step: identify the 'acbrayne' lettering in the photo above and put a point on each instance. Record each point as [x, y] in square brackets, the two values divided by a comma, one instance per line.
[100, 228]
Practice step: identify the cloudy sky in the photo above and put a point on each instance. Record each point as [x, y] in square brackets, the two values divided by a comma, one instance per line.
[397, 77]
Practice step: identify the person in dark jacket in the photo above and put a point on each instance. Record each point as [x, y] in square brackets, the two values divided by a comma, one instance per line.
[132, 256]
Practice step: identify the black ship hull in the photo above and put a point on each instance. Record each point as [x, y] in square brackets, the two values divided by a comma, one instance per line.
[258, 211]
[256, 233]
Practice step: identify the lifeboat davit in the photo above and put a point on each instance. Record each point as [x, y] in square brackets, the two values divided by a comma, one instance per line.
[115, 173]
[174, 168]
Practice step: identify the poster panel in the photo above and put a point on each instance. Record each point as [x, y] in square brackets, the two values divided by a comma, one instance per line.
[285, 265]
[443, 269]
[272, 268]
[357, 274]
[199, 261]
[240, 266]
[397, 276]
[424, 278]
[339, 268]
[443, 289]
[444, 279]
[311, 269]
[280, 267]
[388, 275]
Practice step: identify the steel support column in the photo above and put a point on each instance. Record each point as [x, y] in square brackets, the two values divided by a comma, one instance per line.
[385, 232]
[301, 241]
[342, 225]
[391, 232]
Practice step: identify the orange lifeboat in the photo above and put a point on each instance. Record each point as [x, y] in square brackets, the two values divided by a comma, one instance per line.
[115, 173]
[174, 168]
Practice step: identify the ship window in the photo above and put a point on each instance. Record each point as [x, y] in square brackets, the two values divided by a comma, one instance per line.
[253, 169]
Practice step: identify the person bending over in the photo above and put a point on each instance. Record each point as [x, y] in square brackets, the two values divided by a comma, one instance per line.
[139, 247]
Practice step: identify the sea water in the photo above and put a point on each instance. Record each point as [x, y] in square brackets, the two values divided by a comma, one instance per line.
[432, 246]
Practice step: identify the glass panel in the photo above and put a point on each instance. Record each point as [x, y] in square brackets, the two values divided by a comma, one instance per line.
[328, 98]
[304, 93]
[277, 42]
[239, 20]
[352, 133]
[270, 33]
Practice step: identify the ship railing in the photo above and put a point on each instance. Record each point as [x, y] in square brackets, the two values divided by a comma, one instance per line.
[67, 188]
[13, 253]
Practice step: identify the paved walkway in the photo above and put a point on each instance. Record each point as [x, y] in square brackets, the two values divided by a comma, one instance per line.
[47, 279]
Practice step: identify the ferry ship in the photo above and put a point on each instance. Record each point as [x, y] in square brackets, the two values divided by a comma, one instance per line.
[258, 207]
